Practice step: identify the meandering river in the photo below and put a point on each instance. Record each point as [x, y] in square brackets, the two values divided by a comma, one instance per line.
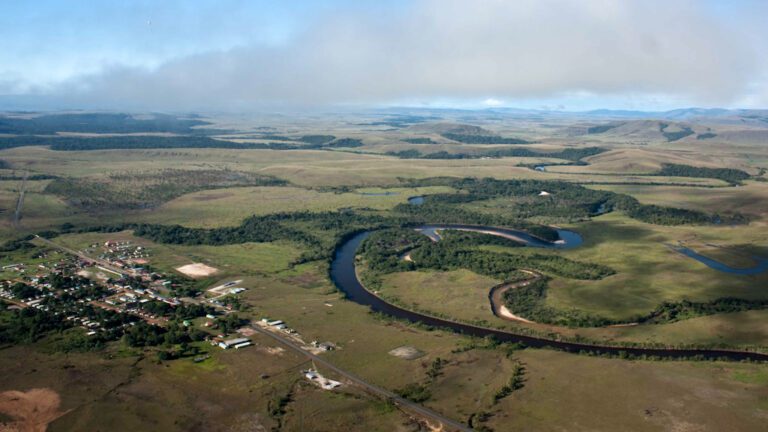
[760, 266]
[344, 276]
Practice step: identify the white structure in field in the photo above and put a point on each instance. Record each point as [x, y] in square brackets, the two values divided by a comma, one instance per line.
[237, 343]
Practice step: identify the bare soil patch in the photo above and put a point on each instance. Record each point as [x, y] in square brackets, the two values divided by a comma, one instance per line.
[31, 411]
[407, 352]
[197, 270]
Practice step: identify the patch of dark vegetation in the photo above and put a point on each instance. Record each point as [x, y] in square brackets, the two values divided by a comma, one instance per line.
[415, 392]
[139, 190]
[705, 135]
[602, 128]
[317, 139]
[565, 202]
[458, 250]
[131, 142]
[668, 312]
[529, 302]
[30, 177]
[477, 421]
[674, 135]
[101, 123]
[271, 137]
[482, 139]
[401, 121]
[573, 154]
[345, 142]
[18, 244]
[730, 175]
[418, 140]
[301, 227]
[515, 383]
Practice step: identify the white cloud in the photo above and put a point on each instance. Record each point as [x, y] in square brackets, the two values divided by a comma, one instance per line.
[463, 49]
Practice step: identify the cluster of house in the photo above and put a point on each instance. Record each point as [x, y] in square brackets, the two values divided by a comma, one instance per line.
[122, 254]
[92, 326]
[120, 295]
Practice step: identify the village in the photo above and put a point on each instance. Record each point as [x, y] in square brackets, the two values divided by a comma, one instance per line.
[108, 295]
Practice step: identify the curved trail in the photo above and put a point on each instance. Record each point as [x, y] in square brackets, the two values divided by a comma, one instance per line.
[343, 275]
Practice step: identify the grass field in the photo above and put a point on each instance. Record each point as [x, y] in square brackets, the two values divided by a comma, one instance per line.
[751, 199]
[231, 260]
[460, 294]
[223, 207]
[120, 389]
[649, 272]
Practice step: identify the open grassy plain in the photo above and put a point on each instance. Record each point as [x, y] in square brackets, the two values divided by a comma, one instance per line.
[121, 388]
[228, 207]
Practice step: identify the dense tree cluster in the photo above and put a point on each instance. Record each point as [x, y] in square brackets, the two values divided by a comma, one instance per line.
[459, 250]
[345, 142]
[674, 135]
[730, 175]
[317, 139]
[100, 123]
[572, 154]
[418, 140]
[482, 139]
[602, 128]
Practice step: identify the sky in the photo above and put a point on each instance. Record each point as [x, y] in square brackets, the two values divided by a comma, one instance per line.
[252, 55]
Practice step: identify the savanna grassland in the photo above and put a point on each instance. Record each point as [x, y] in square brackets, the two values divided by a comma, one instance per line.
[265, 201]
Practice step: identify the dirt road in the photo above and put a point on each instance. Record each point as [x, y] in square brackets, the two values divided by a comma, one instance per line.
[447, 423]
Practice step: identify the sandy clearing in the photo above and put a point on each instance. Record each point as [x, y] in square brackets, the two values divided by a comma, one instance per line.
[32, 410]
[197, 270]
[407, 352]
[506, 313]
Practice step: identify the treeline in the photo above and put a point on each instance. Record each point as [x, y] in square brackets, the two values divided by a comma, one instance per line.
[566, 200]
[130, 142]
[482, 139]
[602, 128]
[529, 302]
[572, 154]
[317, 139]
[418, 140]
[730, 175]
[100, 123]
[166, 142]
[299, 227]
[676, 311]
[344, 142]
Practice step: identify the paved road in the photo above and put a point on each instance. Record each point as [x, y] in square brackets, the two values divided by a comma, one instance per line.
[448, 423]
